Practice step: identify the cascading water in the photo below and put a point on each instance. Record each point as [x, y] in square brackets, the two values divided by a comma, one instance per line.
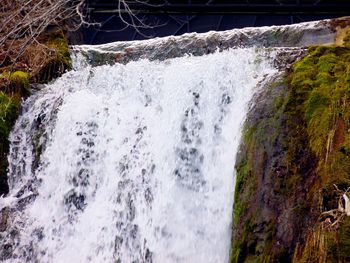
[131, 163]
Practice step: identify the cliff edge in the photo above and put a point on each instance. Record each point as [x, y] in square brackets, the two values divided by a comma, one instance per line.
[293, 169]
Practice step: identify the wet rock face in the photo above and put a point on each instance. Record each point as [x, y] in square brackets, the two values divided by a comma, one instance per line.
[3, 219]
[267, 200]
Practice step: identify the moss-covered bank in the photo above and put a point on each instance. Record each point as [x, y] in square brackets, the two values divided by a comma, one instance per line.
[39, 63]
[9, 107]
[296, 147]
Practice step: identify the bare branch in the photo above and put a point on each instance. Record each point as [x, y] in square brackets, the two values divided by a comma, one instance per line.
[334, 217]
[22, 22]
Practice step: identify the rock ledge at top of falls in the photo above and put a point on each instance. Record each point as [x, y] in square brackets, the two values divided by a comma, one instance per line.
[297, 35]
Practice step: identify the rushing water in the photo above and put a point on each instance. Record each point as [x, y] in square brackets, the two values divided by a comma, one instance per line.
[131, 163]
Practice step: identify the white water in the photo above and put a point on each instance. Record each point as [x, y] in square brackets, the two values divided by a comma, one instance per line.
[137, 161]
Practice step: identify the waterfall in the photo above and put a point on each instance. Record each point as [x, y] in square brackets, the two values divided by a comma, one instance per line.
[131, 162]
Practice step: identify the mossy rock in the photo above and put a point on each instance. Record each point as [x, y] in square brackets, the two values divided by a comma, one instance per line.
[321, 85]
[254, 224]
[320, 95]
[60, 44]
[346, 40]
[39, 63]
[20, 81]
[15, 82]
[9, 108]
[60, 62]
[302, 140]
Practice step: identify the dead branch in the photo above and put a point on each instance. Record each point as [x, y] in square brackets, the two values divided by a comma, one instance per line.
[23, 21]
[334, 217]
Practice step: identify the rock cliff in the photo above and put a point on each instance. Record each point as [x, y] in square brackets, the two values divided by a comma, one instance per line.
[293, 165]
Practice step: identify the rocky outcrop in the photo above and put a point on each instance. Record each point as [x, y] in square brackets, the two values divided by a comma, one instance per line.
[293, 165]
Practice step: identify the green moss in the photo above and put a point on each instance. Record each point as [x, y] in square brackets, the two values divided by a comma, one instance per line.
[17, 81]
[14, 84]
[9, 106]
[320, 84]
[313, 119]
[20, 77]
[8, 112]
[240, 249]
[251, 247]
[319, 131]
[338, 244]
[316, 103]
[59, 60]
[245, 184]
[235, 253]
[58, 42]
[248, 245]
[20, 82]
[344, 240]
[327, 62]
[346, 39]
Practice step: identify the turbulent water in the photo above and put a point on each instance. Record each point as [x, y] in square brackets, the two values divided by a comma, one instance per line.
[131, 163]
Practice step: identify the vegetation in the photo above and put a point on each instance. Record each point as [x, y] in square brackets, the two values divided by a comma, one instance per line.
[37, 65]
[254, 234]
[9, 106]
[17, 81]
[322, 84]
[23, 22]
[33, 49]
[295, 148]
